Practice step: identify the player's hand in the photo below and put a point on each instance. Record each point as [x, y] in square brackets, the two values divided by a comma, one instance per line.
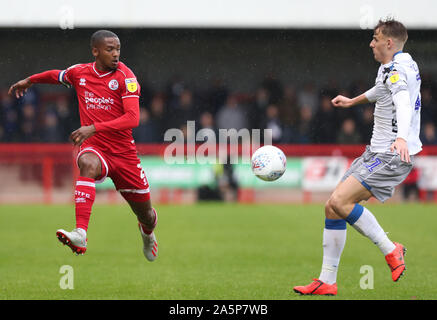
[342, 102]
[20, 88]
[80, 135]
[401, 147]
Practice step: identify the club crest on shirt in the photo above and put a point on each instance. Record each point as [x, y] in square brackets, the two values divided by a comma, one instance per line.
[113, 84]
[394, 77]
[131, 84]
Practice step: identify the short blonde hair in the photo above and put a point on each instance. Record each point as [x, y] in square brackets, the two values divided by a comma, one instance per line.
[392, 28]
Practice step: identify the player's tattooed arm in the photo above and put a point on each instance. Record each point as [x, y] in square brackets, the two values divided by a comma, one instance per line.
[20, 88]
[345, 102]
[80, 135]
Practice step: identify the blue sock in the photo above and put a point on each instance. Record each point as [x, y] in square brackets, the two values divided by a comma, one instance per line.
[355, 214]
[335, 224]
[334, 239]
[362, 220]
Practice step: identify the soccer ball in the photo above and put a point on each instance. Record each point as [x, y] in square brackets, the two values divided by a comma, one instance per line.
[269, 163]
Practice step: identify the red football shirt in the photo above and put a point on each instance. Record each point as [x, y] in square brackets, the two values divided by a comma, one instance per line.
[100, 95]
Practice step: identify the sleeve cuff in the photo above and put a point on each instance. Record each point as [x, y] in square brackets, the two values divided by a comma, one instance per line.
[371, 94]
[97, 126]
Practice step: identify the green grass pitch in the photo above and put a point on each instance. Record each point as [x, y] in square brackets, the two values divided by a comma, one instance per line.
[209, 251]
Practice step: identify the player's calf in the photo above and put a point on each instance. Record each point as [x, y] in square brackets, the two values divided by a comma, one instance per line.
[150, 244]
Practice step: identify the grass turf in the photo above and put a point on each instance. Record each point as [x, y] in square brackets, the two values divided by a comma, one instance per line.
[209, 251]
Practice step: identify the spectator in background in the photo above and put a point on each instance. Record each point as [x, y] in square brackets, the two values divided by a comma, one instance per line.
[32, 96]
[184, 110]
[325, 122]
[258, 108]
[66, 119]
[348, 113]
[289, 113]
[348, 133]
[288, 107]
[51, 131]
[274, 87]
[146, 131]
[215, 96]
[303, 132]
[429, 135]
[184, 129]
[174, 91]
[9, 120]
[427, 81]
[205, 129]
[365, 126]
[308, 97]
[357, 87]
[11, 125]
[429, 106]
[206, 121]
[273, 123]
[231, 115]
[159, 117]
[331, 89]
[28, 123]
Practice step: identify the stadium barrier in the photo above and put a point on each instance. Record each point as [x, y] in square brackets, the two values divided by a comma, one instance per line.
[45, 173]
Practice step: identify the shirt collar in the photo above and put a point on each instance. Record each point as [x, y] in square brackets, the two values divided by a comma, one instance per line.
[390, 64]
[400, 51]
[99, 73]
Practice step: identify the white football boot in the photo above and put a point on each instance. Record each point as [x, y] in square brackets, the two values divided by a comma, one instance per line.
[75, 239]
[150, 248]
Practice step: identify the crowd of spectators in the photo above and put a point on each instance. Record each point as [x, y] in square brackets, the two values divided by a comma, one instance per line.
[295, 113]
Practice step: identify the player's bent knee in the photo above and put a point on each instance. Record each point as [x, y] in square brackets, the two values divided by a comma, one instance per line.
[335, 204]
[329, 211]
[89, 166]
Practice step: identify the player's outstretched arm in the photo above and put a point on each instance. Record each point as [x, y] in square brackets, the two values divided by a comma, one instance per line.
[20, 88]
[345, 102]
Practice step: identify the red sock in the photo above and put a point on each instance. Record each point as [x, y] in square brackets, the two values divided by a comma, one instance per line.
[84, 195]
[144, 227]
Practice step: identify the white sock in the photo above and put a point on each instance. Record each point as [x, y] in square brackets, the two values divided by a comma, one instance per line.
[365, 223]
[333, 244]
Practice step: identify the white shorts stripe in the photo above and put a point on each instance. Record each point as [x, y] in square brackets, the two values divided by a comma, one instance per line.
[86, 184]
[89, 149]
[142, 191]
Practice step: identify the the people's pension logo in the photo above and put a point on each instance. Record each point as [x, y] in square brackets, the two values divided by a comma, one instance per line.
[93, 102]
